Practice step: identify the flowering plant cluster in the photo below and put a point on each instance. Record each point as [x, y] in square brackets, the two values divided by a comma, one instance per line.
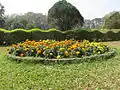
[57, 49]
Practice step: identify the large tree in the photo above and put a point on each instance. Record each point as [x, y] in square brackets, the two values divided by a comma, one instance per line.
[27, 21]
[112, 20]
[2, 18]
[94, 23]
[64, 16]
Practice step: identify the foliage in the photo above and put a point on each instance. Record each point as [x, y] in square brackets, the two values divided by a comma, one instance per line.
[2, 10]
[2, 22]
[26, 21]
[112, 21]
[94, 23]
[8, 37]
[58, 49]
[64, 16]
[30, 26]
[2, 18]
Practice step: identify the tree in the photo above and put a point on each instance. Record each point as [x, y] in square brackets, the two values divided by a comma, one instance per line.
[94, 23]
[2, 10]
[64, 16]
[30, 26]
[112, 20]
[2, 18]
[26, 21]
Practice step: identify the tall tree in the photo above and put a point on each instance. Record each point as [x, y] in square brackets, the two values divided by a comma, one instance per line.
[2, 18]
[28, 21]
[64, 16]
[112, 20]
[94, 23]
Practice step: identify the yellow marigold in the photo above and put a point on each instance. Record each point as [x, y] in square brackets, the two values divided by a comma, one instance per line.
[74, 46]
[24, 46]
[86, 45]
[25, 49]
[51, 54]
[77, 52]
[62, 49]
[39, 51]
[69, 48]
[66, 53]
[83, 48]
[32, 50]
[35, 43]
[58, 57]
[46, 47]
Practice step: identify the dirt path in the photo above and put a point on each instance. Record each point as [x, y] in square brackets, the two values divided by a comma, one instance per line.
[113, 43]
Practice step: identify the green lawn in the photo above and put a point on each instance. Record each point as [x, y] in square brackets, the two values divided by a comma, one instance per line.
[84, 76]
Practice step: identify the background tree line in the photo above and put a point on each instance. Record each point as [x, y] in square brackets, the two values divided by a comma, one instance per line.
[62, 15]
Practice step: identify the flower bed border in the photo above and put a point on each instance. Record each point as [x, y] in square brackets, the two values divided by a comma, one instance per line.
[106, 55]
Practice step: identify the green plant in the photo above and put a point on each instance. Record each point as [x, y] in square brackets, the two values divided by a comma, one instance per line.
[58, 49]
[64, 16]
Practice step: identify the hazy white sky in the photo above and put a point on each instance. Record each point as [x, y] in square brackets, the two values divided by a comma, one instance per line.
[88, 8]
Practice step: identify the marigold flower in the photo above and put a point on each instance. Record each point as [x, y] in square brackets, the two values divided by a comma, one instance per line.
[77, 52]
[32, 50]
[27, 40]
[83, 48]
[14, 45]
[44, 52]
[62, 49]
[66, 53]
[25, 49]
[58, 57]
[21, 55]
[39, 51]
[51, 54]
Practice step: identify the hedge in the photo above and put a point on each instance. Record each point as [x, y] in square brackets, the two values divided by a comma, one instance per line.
[8, 37]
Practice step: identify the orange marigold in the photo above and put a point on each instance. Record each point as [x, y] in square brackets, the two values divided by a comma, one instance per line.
[21, 55]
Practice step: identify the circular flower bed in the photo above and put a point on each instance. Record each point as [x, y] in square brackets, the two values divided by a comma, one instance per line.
[57, 50]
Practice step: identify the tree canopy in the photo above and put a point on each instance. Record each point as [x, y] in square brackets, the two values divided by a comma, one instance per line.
[64, 16]
[112, 20]
[2, 18]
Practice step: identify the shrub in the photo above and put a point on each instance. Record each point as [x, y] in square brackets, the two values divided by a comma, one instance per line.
[2, 37]
[18, 35]
[53, 34]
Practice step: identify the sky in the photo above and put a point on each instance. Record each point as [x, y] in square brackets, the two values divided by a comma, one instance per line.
[88, 8]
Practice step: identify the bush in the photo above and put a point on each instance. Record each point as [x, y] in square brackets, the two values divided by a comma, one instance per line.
[2, 38]
[18, 35]
[52, 34]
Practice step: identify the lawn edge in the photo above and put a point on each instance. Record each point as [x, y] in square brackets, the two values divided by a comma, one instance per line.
[105, 56]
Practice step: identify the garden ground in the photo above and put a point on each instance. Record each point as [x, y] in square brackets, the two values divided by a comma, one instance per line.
[88, 75]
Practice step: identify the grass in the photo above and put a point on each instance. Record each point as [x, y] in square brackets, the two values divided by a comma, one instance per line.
[96, 75]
